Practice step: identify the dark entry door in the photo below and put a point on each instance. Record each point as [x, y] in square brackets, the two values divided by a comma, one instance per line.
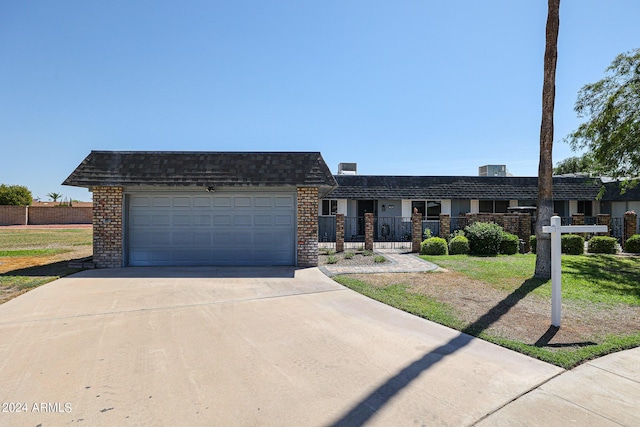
[364, 206]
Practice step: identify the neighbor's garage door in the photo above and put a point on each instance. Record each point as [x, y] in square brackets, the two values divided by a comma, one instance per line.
[211, 229]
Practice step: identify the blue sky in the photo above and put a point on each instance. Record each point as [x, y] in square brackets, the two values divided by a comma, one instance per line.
[405, 87]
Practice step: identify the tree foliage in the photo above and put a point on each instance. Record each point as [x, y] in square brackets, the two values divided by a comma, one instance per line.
[16, 195]
[611, 133]
[577, 164]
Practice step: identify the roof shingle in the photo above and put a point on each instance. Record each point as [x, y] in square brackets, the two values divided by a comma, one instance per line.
[459, 187]
[222, 169]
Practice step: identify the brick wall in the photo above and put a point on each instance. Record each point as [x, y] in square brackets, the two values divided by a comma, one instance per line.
[307, 227]
[339, 232]
[630, 225]
[107, 226]
[39, 215]
[13, 215]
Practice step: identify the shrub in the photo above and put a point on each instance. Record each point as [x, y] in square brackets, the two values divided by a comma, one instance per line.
[632, 244]
[533, 242]
[433, 246]
[459, 245]
[379, 259]
[332, 259]
[602, 245]
[572, 244]
[16, 195]
[484, 238]
[509, 244]
[427, 234]
[367, 253]
[349, 255]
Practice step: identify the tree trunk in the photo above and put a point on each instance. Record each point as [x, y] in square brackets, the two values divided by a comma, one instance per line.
[545, 167]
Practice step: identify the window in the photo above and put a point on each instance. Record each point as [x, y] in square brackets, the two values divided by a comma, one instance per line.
[329, 207]
[486, 206]
[433, 209]
[493, 206]
[585, 207]
[421, 206]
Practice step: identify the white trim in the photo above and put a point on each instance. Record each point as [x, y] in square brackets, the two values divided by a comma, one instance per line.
[406, 208]
[474, 206]
[573, 207]
[342, 206]
[445, 206]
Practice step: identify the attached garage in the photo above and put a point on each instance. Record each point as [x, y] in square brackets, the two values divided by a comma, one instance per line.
[204, 208]
[242, 228]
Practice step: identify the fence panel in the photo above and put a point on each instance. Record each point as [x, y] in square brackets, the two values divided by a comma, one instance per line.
[327, 228]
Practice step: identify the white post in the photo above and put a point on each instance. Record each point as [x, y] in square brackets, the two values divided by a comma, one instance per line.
[556, 229]
[556, 272]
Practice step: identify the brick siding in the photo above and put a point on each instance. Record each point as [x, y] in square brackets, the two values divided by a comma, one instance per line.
[307, 227]
[416, 232]
[630, 226]
[107, 227]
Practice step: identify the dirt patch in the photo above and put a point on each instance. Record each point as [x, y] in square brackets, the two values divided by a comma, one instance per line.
[358, 260]
[518, 315]
[15, 271]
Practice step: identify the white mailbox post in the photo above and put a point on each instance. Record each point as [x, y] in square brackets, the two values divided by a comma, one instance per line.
[556, 229]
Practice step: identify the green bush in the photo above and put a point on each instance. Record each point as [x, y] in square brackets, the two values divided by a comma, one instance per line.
[379, 259]
[459, 245]
[427, 233]
[572, 244]
[533, 242]
[332, 259]
[632, 245]
[15, 195]
[484, 238]
[349, 255]
[509, 244]
[433, 246]
[602, 245]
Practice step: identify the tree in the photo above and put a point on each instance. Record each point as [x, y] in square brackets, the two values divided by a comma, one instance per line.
[16, 195]
[611, 134]
[582, 164]
[545, 167]
[54, 196]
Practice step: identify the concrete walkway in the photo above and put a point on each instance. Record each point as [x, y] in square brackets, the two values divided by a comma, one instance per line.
[401, 261]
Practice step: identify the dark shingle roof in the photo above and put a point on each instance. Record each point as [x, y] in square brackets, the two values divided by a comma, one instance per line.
[173, 168]
[459, 187]
[613, 192]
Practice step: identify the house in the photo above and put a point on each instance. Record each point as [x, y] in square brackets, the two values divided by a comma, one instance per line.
[392, 199]
[204, 208]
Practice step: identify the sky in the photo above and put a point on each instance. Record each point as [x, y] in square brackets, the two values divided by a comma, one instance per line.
[419, 87]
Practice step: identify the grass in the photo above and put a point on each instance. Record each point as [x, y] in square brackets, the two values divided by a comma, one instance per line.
[588, 279]
[31, 258]
[38, 239]
[30, 252]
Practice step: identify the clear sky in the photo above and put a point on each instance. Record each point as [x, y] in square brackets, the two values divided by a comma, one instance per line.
[401, 87]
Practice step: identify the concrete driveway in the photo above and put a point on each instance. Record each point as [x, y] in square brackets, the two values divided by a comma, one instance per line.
[241, 347]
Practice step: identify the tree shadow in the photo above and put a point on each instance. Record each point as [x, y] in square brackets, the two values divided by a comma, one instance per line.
[613, 269]
[58, 268]
[367, 408]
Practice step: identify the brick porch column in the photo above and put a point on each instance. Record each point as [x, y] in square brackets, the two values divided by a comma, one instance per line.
[445, 226]
[107, 227]
[577, 219]
[307, 227]
[339, 232]
[368, 231]
[604, 219]
[416, 232]
[525, 230]
[630, 225]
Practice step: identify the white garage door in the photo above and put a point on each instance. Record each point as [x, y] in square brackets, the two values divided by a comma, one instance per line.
[211, 229]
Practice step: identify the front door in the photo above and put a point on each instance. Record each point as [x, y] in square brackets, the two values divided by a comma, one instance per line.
[364, 206]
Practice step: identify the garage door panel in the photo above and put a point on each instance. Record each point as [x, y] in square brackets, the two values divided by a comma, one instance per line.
[211, 229]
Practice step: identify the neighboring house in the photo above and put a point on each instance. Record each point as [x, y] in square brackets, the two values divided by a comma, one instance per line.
[204, 208]
[390, 197]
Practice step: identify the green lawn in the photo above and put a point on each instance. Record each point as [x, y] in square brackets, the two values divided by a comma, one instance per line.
[591, 281]
[592, 278]
[30, 258]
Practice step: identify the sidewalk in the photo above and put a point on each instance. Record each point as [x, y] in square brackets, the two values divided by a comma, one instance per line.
[601, 392]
